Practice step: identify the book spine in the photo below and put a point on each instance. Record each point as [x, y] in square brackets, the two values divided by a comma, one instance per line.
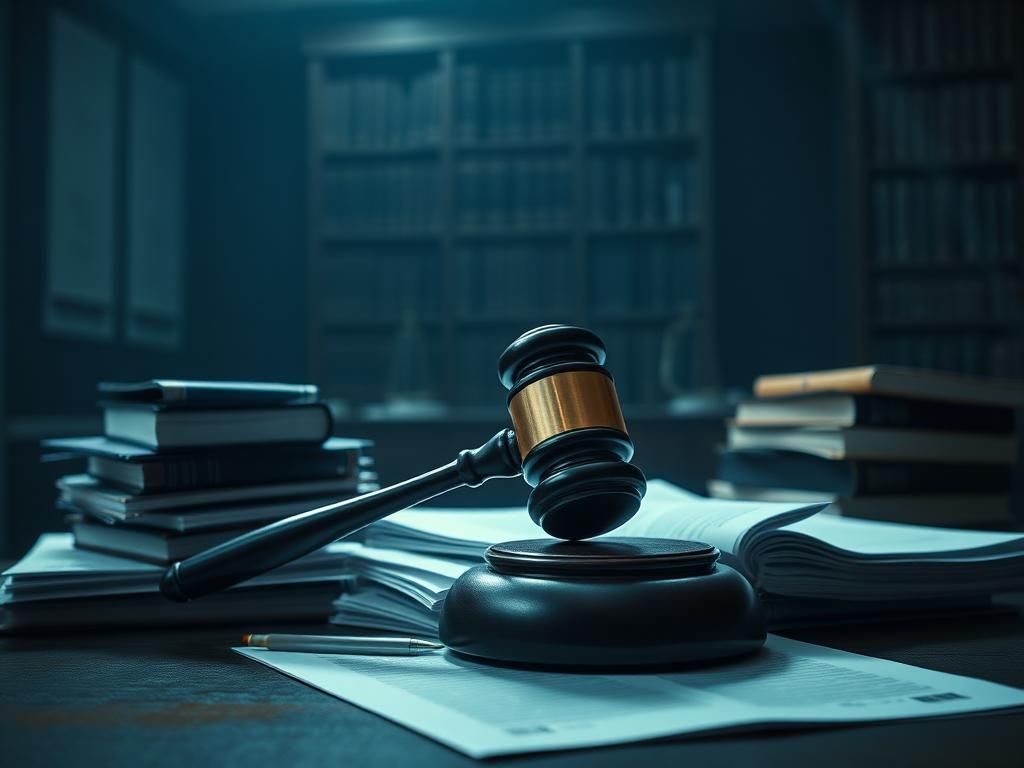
[884, 478]
[244, 468]
[627, 126]
[674, 96]
[468, 103]
[853, 380]
[598, 192]
[600, 100]
[922, 414]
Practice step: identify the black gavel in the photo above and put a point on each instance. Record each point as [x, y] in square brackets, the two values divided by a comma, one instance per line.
[568, 440]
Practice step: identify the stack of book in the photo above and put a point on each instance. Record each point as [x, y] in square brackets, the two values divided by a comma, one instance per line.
[881, 442]
[181, 467]
[184, 466]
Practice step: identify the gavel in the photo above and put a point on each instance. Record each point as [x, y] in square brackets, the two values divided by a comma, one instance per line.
[568, 440]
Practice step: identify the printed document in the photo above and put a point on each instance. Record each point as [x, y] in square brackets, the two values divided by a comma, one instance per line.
[485, 711]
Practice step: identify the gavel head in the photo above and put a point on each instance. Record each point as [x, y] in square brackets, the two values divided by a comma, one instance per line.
[570, 432]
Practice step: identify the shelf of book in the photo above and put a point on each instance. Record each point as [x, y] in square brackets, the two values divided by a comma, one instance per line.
[349, 237]
[523, 233]
[645, 318]
[937, 107]
[946, 326]
[945, 268]
[943, 76]
[963, 168]
[359, 322]
[676, 143]
[553, 179]
[377, 153]
[511, 145]
[682, 230]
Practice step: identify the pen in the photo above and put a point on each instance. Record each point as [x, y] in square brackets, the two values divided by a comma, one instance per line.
[372, 646]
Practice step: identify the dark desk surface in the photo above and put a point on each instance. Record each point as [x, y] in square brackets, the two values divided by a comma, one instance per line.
[181, 698]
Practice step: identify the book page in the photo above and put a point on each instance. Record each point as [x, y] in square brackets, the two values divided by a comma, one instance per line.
[484, 711]
[670, 512]
[666, 512]
[872, 538]
[55, 553]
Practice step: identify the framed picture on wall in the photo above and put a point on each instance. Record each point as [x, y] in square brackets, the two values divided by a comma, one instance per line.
[154, 202]
[79, 286]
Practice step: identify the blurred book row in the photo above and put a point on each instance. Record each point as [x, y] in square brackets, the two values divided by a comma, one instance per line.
[645, 190]
[369, 283]
[513, 193]
[528, 103]
[981, 352]
[657, 274]
[960, 122]
[385, 198]
[945, 222]
[638, 351]
[499, 280]
[381, 112]
[944, 299]
[941, 34]
[645, 370]
[882, 443]
[646, 97]
[181, 467]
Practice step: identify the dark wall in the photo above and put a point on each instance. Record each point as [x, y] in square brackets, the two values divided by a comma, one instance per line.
[5, 64]
[776, 176]
[248, 206]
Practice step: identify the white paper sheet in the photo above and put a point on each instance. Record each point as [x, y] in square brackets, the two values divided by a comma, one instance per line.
[784, 549]
[55, 569]
[484, 711]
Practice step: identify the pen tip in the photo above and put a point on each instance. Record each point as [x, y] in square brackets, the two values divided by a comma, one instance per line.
[245, 639]
[425, 645]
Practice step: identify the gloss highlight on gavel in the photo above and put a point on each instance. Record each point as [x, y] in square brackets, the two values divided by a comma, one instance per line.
[569, 442]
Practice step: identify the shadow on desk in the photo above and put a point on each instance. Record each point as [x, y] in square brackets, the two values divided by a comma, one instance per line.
[181, 697]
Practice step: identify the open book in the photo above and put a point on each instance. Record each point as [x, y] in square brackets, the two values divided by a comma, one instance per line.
[783, 548]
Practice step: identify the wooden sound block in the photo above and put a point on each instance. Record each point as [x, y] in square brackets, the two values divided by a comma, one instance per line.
[612, 602]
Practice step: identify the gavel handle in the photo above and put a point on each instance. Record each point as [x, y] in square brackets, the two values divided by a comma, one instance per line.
[264, 549]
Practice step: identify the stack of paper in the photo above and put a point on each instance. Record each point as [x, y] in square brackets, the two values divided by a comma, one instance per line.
[383, 609]
[810, 568]
[58, 585]
[784, 548]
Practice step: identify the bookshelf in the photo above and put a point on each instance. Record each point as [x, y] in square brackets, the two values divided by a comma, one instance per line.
[475, 180]
[938, 100]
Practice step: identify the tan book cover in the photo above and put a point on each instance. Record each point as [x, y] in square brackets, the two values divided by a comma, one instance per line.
[895, 381]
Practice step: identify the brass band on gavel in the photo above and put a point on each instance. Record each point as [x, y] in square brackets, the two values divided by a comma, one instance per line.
[563, 402]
